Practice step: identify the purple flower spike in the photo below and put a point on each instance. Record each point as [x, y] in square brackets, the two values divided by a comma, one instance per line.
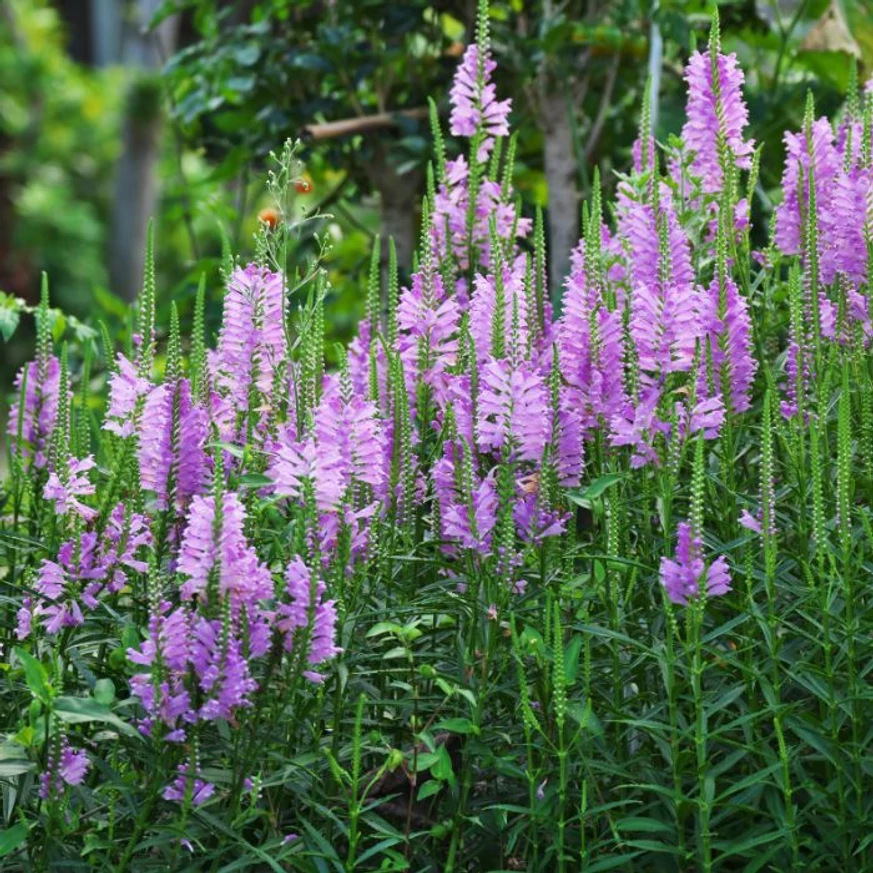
[37, 419]
[712, 111]
[682, 577]
[475, 106]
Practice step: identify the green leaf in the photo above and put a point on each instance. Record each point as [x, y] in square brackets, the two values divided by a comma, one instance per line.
[10, 315]
[586, 495]
[11, 839]
[429, 788]
[457, 726]
[442, 768]
[77, 710]
[255, 480]
[641, 824]
[11, 769]
[571, 658]
[104, 691]
[230, 448]
[35, 675]
[385, 627]
[612, 863]
[246, 55]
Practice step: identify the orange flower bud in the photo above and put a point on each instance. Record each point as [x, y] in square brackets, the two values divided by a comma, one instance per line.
[269, 216]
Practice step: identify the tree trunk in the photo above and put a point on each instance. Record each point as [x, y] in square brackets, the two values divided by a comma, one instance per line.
[136, 185]
[399, 195]
[136, 199]
[561, 177]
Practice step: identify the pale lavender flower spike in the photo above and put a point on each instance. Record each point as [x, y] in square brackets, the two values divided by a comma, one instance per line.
[37, 419]
[712, 111]
[475, 108]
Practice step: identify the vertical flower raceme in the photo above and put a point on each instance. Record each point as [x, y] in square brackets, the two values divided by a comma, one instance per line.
[307, 615]
[656, 247]
[716, 115]
[467, 501]
[664, 327]
[214, 549]
[847, 226]
[684, 577]
[189, 783]
[352, 425]
[172, 457]
[725, 329]
[163, 691]
[428, 322]
[126, 387]
[65, 487]
[589, 342]
[475, 107]
[35, 419]
[512, 410]
[222, 668]
[85, 569]
[819, 154]
[494, 209]
[65, 766]
[511, 326]
[638, 426]
[251, 342]
[340, 466]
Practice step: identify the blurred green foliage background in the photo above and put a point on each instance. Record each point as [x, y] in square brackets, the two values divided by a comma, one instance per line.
[89, 142]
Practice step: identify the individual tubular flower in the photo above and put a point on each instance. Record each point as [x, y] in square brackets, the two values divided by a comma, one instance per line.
[716, 110]
[533, 520]
[705, 417]
[75, 483]
[172, 456]
[684, 577]
[36, 420]
[475, 107]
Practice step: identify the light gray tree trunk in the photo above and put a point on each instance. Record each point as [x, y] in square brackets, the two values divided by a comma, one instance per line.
[561, 171]
[136, 183]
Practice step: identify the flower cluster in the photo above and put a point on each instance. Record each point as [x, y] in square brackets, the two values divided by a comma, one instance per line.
[455, 422]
